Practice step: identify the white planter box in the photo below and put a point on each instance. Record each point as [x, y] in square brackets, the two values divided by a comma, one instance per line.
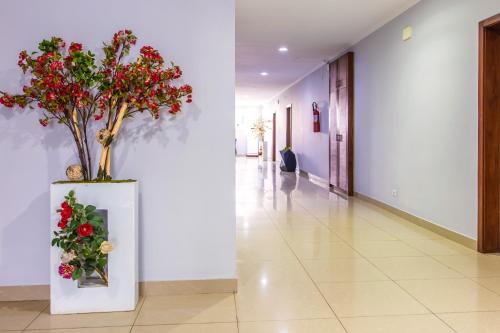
[122, 293]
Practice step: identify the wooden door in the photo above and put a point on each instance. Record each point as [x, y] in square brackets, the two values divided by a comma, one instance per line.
[489, 136]
[289, 126]
[341, 124]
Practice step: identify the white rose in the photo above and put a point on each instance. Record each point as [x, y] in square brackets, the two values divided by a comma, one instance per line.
[66, 257]
[106, 247]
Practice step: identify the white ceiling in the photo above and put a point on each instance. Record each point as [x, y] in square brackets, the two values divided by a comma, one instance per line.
[313, 31]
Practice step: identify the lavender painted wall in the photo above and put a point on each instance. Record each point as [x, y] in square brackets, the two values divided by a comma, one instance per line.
[312, 149]
[416, 112]
[186, 231]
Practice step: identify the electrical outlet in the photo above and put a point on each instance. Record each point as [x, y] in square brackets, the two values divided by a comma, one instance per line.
[395, 193]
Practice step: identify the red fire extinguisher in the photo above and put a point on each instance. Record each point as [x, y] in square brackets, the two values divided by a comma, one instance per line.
[316, 122]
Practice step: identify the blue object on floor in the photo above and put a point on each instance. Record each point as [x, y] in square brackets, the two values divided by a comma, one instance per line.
[288, 161]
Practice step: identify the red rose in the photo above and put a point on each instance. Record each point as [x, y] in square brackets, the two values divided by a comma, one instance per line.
[66, 211]
[75, 47]
[85, 230]
[63, 223]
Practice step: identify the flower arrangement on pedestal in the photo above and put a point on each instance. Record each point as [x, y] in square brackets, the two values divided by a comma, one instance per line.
[68, 86]
[83, 240]
[259, 129]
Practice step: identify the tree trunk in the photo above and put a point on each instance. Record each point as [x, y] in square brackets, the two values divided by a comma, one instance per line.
[83, 148]
[104, 172]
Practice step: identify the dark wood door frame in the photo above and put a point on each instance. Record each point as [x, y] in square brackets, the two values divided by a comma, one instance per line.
[489, 136]
[274, 137]
[289, 126]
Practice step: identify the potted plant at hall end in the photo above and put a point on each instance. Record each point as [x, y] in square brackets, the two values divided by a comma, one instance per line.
[259, 129]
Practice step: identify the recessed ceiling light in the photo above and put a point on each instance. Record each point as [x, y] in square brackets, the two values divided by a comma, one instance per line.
[283, 49]
[264, 73]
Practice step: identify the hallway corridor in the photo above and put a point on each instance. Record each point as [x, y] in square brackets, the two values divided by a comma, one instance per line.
[304, 253]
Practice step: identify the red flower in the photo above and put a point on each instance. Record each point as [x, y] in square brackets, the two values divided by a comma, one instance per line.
[178, 72]
[66, 270]
[66, 211]
[85, 230]
[75, 47]
[186, 89]
[62, 224]
[44, 122]
[98, 116]
[7, 100]
[175, 108]
[150, 53]
[56, 65]
[66, 214]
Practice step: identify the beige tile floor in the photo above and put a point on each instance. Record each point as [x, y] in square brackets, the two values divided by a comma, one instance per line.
[310, 262]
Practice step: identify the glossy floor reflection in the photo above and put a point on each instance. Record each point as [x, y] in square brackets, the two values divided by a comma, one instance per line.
[309, 261]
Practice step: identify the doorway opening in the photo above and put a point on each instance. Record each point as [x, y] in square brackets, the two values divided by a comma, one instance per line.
[489, 136]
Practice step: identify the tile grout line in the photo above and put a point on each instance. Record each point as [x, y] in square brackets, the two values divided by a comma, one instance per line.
[72, 328]
[176, 324]
[138, 313]
[36, 317]
[236, 313]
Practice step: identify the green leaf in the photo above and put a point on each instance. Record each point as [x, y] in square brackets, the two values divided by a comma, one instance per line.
[101, 263]
[77, 273]
[90, 209]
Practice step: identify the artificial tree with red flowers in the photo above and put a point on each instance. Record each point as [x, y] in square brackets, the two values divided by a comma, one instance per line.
[68, 86]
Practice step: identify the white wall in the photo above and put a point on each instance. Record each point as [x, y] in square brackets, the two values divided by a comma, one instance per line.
[186, 231]
[311, 149]
[416, 112]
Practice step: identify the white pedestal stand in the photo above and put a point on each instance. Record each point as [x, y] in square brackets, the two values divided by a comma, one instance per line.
[120, 201]
[264, 151]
